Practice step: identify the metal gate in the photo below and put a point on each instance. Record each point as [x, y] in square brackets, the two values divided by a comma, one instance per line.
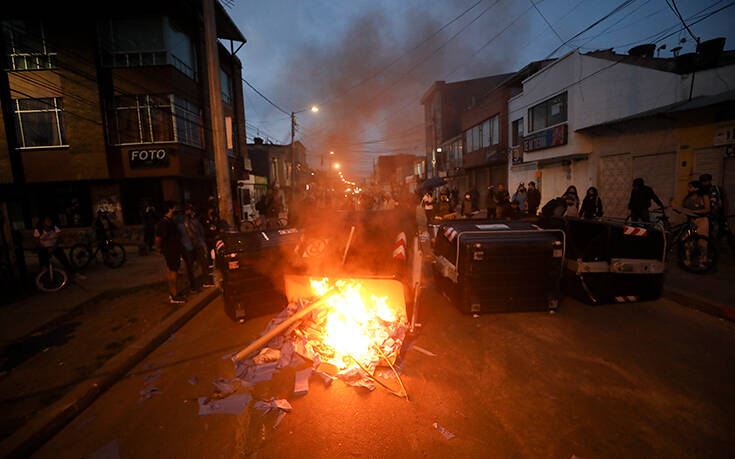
[615, 184]
[659, 172]
[709, 161]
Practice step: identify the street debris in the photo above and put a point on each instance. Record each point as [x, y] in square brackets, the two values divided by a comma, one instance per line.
[301, 382]
[447, 434]
[193, 380]
[233, 404]
[149, 392]
[109, 451]
[152, 377]
[225, 385]
[273, 403]
[423, 351]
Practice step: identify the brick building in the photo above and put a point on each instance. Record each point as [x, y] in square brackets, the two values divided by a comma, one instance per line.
[112, 113]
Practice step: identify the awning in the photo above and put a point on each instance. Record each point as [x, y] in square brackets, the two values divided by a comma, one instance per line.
[226, 27]
[684, 105]
[561, 159]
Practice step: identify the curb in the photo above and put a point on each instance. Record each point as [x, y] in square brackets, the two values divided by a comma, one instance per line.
[23, 442]
[701, 304]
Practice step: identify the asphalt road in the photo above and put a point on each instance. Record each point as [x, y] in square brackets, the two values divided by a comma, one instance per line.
[633, 380]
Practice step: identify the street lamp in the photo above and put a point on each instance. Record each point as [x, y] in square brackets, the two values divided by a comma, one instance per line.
[336, 165]
[314, 108]
[331, 152]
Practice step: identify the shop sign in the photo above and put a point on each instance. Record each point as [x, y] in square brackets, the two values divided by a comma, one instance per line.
[547, 138]
[152, 158]
[724, 136]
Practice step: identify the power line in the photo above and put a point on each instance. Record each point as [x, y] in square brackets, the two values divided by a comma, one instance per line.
[675, 9]
[264, 97]
[547, 21]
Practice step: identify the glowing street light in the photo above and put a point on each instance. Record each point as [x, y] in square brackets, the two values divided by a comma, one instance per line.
[331, 152]
[336, 165]
[314, 108]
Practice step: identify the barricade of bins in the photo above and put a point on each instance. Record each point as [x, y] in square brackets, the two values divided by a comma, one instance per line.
[611, 260]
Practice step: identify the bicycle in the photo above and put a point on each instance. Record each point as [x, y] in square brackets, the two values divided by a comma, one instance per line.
[51, 279]
[113, 254]
[696, 253]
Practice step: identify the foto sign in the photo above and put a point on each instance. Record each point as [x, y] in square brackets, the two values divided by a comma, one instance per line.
[148, 158]
[547, 138]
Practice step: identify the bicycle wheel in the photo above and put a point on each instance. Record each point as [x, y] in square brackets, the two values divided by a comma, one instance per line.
[114, 256]
[80, 255]
[51, 280]
[697, 254]
[247, 226]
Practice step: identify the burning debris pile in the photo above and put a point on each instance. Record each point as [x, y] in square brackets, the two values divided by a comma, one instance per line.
[346, 328]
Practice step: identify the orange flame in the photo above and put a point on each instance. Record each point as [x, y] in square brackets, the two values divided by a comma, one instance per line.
[355, 322]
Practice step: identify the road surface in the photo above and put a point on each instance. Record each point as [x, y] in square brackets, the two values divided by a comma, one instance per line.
[632, 380]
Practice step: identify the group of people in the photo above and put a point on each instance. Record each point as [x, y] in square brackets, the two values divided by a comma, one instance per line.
[185, 236]
[568, 204]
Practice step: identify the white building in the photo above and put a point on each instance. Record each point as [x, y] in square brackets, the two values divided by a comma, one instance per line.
[554, 123]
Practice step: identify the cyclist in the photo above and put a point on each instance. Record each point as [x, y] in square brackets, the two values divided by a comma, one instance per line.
[47, 241]
[697, 201]
[640, 201]
[103, 228]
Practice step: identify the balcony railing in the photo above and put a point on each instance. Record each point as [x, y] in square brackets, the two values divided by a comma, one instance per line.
[32, 61]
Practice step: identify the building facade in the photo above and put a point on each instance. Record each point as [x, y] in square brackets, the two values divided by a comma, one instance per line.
[565, 124]
[113, 114]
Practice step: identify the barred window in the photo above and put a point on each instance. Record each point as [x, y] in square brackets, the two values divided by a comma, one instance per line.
[39, 122]
[26, 47]
[141, 119]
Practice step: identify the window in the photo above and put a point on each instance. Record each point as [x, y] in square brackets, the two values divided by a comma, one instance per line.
[475, 138]
[141, 119]
[26, 47]
[144, 41]
[517, 129]
[188, 123]
[495, 130]
[39, 122]
[548, 113]
[225, 83]
[486, 134]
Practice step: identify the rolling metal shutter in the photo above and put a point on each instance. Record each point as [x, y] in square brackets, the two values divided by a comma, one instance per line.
[709, 161]
[615, 184]
[659, 172]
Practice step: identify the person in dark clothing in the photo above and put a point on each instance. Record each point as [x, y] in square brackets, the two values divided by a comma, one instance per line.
[444, 207]
[213, 225]
[467, 208]
[149, 226]
[640, 201]
[515, 212]
[168, 241]
[103, 229]
[533, 199]
[592, 204]
[194, 251]
[502, 201]
[491, 205]
[718, 205]
[475, 197]
[572, 201]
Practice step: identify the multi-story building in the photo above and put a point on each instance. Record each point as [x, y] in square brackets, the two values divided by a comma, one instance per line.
[274, 163]
[601, 119]
[443, 105]
[112, 113]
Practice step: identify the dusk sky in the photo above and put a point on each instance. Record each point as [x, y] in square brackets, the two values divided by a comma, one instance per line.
[366, 63]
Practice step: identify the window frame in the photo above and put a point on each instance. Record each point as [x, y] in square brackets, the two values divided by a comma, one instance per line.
[11, 50]
[546, 105]
[57, 109]
[146, 107]
[517, 137]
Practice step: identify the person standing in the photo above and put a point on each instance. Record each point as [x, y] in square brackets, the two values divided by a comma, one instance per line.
[592, 204]
[698, 202]
[640, 201]
[572, 199]
[427, 202]
[491, 205]
[533, 198]
[213, 225]
[194, 249]
[718, 204]
[521, 197]
[149, 226]
[168, 241]
[502, 201]
[467, 208]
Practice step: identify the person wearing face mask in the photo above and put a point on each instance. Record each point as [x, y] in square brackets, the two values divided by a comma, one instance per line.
[572, 201]
[520, 197]
[592, 204]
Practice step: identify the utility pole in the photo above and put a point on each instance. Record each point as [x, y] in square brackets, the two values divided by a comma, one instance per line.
[293, 157]
[221, 163]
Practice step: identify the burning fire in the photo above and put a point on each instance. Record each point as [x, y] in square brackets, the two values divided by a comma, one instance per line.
[359, 326]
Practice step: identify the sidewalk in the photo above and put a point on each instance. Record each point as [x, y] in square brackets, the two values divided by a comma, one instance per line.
[23, 317]
[713, 293]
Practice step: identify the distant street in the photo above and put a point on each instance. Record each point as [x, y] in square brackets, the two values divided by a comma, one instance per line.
[634, 380]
